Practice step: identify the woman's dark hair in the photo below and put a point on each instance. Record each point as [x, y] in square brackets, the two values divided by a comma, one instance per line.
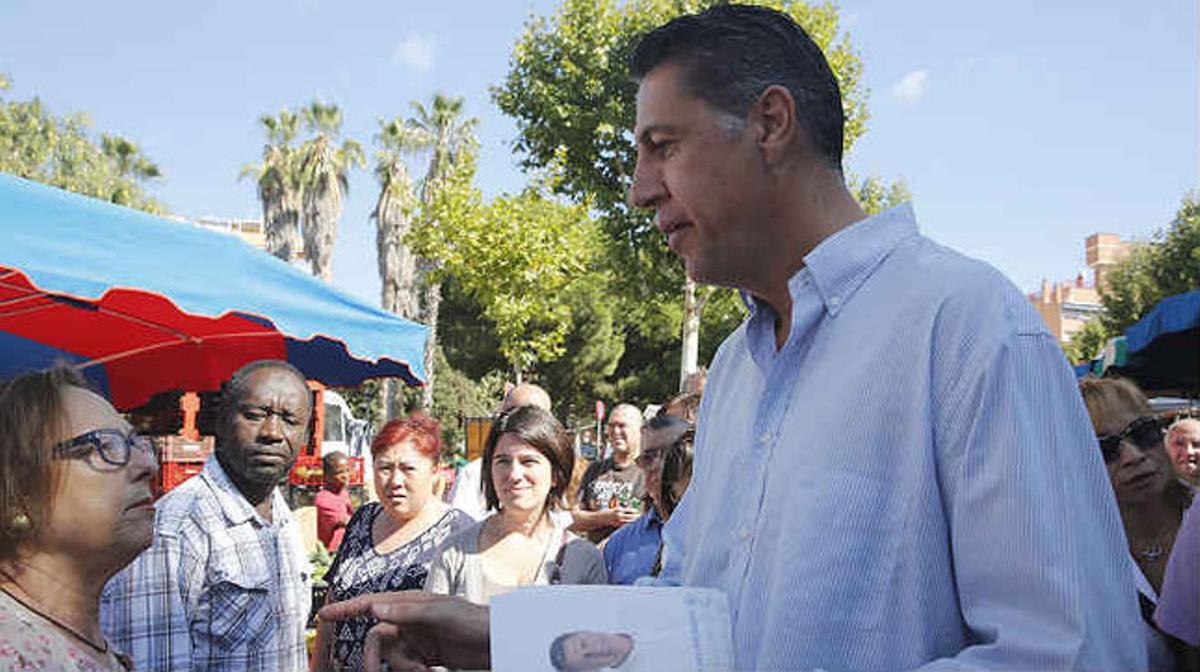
[32, 419]
[676, 466]
[545, 434]
[731, 53]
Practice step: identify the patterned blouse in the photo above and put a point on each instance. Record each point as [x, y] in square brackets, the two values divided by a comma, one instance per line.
[29, 642]
[359, 569]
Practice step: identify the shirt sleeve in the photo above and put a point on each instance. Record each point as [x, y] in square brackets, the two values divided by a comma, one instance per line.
[144, 608]
[1036, 539]
[583, 563]
[438, 581]
[1178, 612]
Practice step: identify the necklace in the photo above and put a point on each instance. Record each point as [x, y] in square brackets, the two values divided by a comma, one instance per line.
[1154, 550]
[1151, 553]
[102, 650]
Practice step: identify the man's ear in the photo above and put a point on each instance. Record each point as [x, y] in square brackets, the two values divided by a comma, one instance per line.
[775, 123]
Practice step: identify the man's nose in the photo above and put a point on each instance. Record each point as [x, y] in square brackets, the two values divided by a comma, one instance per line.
[646, 190]
[271, 429]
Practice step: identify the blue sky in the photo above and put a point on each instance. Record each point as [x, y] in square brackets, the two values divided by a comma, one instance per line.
[1020, 127]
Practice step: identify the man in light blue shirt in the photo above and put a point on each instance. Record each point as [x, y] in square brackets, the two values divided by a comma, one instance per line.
[893, 468]
[917, 483]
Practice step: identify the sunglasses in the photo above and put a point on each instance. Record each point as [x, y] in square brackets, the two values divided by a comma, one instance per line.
[1145, 433]
[112, 445]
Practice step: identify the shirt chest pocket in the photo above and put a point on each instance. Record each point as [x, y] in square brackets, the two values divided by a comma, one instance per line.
[242, 608]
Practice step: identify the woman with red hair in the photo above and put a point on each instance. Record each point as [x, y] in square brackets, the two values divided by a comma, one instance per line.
[388, 544]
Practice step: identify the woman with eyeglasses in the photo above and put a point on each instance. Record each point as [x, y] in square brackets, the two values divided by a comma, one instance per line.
[527, 463]
[75, 507]
[632, 551]
[1150, 498]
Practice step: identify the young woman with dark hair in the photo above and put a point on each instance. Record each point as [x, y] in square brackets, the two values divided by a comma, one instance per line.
[527, 464]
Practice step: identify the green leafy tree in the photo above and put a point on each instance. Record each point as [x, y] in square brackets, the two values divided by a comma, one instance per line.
[516, 256]
[592, 347]
[61, 151]
[875, 196]
[1088, 342]
[280, 181]
[441, 129]
[1169, 264]
[324, 172]
[569, 91]
[458, 397]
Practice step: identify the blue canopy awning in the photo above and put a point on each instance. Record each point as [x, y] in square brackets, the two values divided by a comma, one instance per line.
[142, 304]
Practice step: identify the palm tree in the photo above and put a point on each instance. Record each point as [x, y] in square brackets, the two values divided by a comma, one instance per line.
[131, 165]
[323, 170]
[392, 215]
[279, 183]
[441, 129]
[393, 210]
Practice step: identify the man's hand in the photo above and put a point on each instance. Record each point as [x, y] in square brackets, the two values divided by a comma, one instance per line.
[417, 630]
[621, 515]
[604, 518]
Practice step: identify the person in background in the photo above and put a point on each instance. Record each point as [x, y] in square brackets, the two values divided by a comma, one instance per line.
[1178, 612]
[587, 445]
[675, 476]
[685, 406]
[612, 487]
[388, 544]
[894, 469]
[226, 583]
[75, 507]
[528, 461]
[1151, 500]
[467, 492]
[1183, 447]
[333, 501]
[571, 493]
[631, 551]
[694, 382]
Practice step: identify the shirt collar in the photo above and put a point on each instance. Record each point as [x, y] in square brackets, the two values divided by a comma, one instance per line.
[842, 262]
[234, 505]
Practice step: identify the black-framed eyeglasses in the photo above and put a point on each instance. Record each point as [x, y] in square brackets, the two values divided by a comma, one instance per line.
[112, 445]
[1145, 432]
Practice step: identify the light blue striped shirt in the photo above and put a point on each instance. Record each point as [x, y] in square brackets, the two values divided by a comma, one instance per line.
[912, 480]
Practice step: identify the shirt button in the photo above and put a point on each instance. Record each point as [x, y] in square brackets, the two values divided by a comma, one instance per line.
[835, 301]
[744, 533]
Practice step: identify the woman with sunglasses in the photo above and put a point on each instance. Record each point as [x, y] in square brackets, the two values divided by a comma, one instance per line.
[1151, 500]
[75, 507]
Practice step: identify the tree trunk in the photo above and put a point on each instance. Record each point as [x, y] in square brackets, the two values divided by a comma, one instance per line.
[690, 350]
[433, 304]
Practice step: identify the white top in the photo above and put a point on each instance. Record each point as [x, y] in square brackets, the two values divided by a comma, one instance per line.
[458, 570]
